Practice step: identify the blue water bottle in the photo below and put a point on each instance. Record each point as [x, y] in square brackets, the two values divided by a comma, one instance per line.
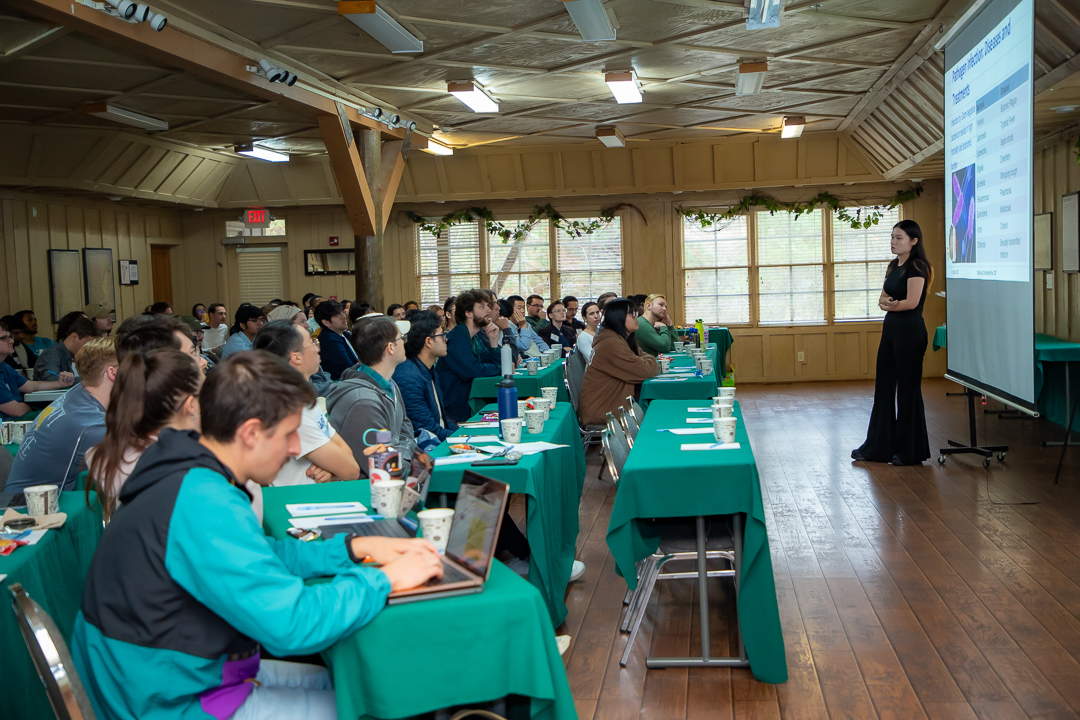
[508, 395]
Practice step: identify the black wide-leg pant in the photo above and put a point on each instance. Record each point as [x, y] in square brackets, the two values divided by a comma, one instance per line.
[898, 420]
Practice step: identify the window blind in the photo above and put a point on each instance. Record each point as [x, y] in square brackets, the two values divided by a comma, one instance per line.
[261, 276]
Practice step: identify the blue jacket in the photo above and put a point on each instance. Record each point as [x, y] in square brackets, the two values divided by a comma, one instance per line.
[337, 352]
[419, 388]
[185, 587]
[465, 360]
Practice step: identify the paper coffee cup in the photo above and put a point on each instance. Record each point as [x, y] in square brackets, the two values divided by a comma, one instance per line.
[533, 365]
[706, 367]
[523, 405]
[545, 405]
[726, 392]
[435, 526]
[545, 360]
[679, 346]
[724, 429]
[511, 429]
[5, 433]
[386, 497]
[550, 393]
[42, 500]
[534, 421]
[665, 363]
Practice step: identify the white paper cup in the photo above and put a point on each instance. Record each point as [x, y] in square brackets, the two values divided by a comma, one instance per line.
[523, 405]
[534, 421]
[511, 429]
[550, 393]
[724, 429]
[545, 360]
[726, 392]
[533, 365]
[679, 345]
[18, 431]
[42, 500]
[435, 526]
[557, 351]
[706, 367]
[665, 363]
[545, 405]
[5, 433]
[386, 497]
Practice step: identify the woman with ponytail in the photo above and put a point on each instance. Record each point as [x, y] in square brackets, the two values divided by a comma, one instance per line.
[152, 392]
[897, 431]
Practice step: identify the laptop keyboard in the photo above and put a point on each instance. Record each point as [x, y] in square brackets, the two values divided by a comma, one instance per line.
[450, 575]
[380, 528]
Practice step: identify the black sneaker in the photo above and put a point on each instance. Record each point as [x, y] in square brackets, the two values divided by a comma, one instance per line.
[857, 455]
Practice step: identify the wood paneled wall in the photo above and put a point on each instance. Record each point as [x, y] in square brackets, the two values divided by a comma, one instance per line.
[1057, 310]
[31, 226]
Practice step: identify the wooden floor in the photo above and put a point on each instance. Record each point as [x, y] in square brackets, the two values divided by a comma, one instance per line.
[904, 592]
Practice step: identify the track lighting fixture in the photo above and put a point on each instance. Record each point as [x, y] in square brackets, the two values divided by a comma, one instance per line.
[273, 73]
[134, 12]
[124, 8]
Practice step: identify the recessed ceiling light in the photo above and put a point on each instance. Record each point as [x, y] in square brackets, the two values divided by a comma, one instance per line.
[261, 153]
[373, 20]
[473, 94]
[750, 78]
[793, 127]
[437, 148]
[624, 86]
[591, 19]
[1065, 108]
[610, 136]
[764, 14]
[127, 117]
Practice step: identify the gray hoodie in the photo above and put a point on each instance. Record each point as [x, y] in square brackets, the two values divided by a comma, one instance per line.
[357, 404]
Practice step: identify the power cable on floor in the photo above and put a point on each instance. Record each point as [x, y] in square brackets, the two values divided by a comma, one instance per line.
[986, 471]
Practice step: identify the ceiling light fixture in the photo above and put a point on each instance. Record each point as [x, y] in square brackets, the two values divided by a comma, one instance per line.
[373, 20]
[750, 78]
[124, 8]
[610, 136]
[1064, 108]
[472, 94]
[273, 73]
[591, 19]
[437, 148]
[261, 153]
[763, 14]
[792, 127]
[127, 117]
[624, 86]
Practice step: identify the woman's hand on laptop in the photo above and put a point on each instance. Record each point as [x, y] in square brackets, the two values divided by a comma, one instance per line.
[413, 569]
[385, 550]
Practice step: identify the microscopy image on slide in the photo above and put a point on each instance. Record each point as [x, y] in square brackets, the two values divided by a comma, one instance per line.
[962, 232]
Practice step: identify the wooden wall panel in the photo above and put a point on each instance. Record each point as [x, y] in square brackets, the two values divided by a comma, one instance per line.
[1057, 310]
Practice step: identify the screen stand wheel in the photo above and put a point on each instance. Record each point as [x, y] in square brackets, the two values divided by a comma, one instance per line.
[973, 447]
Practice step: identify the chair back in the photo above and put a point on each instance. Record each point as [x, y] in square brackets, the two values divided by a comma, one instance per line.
[636, 409]
[51, 658]
[616, 447]
[630, 424]
[574, 376]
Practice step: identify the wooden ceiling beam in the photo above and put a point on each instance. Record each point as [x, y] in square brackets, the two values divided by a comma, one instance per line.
[1056, 39]
[212, 118]
[349, 172]
[302, 32]
[38, 41]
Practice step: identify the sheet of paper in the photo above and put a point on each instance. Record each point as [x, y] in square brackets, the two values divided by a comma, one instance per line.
[315, 521]
[480, 425]
[669, 378]
[710, 446]
[2, 578]
[329, 508]
[688, 431]
[35, 536]
[473, 439]
[531, 448]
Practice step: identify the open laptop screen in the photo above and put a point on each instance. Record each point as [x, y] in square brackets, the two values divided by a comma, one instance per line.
[476, 520]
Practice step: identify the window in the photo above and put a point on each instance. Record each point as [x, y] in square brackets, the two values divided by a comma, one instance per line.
[860, 258]
[261, 276]
[584, 266]
[590, 265]
[716, 267]
[448, 264]
[236, 228]
[791, 285]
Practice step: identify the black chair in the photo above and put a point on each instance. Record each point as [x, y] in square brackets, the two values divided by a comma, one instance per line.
[51, 658]
[573, 376]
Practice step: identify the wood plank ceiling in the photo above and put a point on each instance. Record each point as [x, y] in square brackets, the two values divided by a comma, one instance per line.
[864, 67]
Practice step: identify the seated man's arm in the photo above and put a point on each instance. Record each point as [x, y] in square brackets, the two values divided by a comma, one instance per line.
[64, 382]
[14, 408]
[360, 417]
[336, 457]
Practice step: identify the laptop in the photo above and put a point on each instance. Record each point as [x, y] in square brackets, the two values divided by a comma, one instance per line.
[12, 500]
[470, 549]
[413, 497]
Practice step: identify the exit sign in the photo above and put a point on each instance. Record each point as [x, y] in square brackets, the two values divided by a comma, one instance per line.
[257, 218]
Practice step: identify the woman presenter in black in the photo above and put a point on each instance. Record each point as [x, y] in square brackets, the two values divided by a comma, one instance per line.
[897, 431]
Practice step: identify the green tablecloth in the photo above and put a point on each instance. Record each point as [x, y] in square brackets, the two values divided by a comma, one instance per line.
[695, 388]
[553, 481]
[1053, 358]
[722, 338]
[485, 390]
[13, 448]
[421, 657]
[52, 572]
[660, 481]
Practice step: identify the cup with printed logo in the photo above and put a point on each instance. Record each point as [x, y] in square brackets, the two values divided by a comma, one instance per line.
[42, 500]
[722, 408]
[556, 350]
[726, 392]
[435, 526]
[511, 429]
[386, 497]
[5, 432]
[545, 359]
[550, 394]
[724, 429]
[665, 363]
[679, 345]
[533, 365]
[523, 405]
[545, 405]
[706, 366]
[534, 421]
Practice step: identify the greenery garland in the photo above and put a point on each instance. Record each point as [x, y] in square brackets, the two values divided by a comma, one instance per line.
[859, 220]
[515, 233]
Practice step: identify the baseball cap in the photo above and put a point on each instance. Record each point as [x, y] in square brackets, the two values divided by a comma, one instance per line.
[96, 310]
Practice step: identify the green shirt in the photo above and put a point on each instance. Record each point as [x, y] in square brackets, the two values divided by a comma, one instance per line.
[535, 323]
[652, 341]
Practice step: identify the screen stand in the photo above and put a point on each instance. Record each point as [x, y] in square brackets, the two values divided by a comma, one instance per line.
[1068, 433]
[973, 448]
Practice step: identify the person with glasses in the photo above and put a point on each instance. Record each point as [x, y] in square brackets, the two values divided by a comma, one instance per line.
[368, 399]
[528, 341]
[248, 321]
[324, 455]
[416, 376]
[534, 304]
[335, 340]
[472, 351]
[13, 384]
[618, 367]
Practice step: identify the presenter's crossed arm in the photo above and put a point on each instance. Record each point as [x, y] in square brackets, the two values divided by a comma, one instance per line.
[914, 292]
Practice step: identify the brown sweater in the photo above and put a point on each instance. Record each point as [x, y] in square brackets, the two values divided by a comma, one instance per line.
[615, 373]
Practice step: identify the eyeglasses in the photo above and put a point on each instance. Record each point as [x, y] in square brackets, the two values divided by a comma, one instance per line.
[5, 338]
[439, 336]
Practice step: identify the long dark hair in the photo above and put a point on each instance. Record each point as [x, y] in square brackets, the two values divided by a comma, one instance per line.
[615, 312]
[148, 392]
[918, 250]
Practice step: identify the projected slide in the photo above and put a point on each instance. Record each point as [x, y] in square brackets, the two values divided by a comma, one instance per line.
[988, 140]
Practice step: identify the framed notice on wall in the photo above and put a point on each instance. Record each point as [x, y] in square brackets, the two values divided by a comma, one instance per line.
[65, 282]
[129, 272]
[1070, 232]
[98, 276]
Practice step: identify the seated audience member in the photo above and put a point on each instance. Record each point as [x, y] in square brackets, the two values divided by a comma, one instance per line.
[367, 398]
[572, 320]
[506, 328]
[449, 316]
[198, 335]
[604, 299]
[396, 312]
[591, 312]
[618, 368]
[185, 587]
[152, 392]
[248, 321]
[533, 343]
[320, 378]
[215, 336]
[53, 450]
[161, 308]
[334, 341]
[31, 340]
[415, 377]
[358, 311]
[656, 332]
[198, 311]
[15, 359]
[73, 331]
[439, 313]
[346, 305]
[143, 333]
[323, 455]
[411, 305]
[13, 385]
[101, 316]
[534, 306]
[557, 331]
[471, 352]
